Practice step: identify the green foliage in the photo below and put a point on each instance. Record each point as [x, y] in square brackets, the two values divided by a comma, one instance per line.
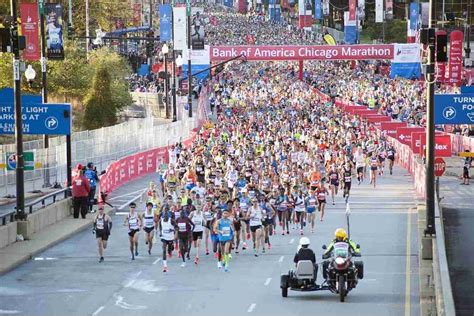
[395, 31]
[99, 108]
[6, 72]
[119, 69]
[70, 77]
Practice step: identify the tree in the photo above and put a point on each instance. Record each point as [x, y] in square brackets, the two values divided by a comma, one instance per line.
[99, 108]
[119, 69]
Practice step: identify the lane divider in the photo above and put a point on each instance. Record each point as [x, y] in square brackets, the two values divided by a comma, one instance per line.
[281, 259]
[251, 307]
[267, 281]
[98, 311]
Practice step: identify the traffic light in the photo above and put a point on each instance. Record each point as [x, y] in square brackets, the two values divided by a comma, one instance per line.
[70, 32]
[441, 48]
[5, 40]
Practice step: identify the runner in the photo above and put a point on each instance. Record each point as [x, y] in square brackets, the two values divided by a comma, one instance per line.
[321, 193]
[333, 182]
[197, 217]
[224, 228]
[149, 220]
[134, 223]
[391, 158]
[374, 165]
[347, 176]
[311, 202]
[167, 229]
[185, 227]
[102, 228]
[255, 215]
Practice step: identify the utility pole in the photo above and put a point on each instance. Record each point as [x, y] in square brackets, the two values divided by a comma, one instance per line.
[87, 28]
[467, 35]
[20, 176]
[44, 91]
[430, 127]
[151, 14]
[190, 77]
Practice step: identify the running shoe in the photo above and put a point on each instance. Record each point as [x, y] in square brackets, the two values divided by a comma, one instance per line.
[219, 265]
[149, 251]
[263, 250]
[269, 246]
[216, 255]
[207, 252]
[244, 246]
[165, 269]
[132, 258]
[196, 260]
[136, 253]
[183, 264]
[301, 232]
[101, 259]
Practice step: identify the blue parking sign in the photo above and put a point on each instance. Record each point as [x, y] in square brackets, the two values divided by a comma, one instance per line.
[454, 108]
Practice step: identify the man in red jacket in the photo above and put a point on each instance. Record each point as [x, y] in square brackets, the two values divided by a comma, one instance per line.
[80, 193]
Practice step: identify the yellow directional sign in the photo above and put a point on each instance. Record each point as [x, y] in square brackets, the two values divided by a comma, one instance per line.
[466, 154]
[3, 165]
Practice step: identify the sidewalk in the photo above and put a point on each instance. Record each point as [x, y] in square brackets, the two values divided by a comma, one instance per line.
[22, 251]
[458, 214]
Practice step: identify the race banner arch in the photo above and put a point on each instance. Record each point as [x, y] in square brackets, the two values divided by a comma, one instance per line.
[304, 52]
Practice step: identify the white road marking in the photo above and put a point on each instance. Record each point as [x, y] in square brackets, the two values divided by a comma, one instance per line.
[281, 259]
[3, 311]
[156, 261]
[251, 308]
[47, 258]
[122, 304]
[39, 258]
[98, 311]
[124, 195]
[267, 281]
[292, 240]
[121, 207]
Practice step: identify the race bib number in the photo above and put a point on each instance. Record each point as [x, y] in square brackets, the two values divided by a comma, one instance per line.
[182, 227]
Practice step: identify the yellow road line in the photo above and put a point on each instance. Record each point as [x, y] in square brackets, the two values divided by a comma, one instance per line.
[408, 267]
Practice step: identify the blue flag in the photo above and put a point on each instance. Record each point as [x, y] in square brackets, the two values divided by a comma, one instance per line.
[317, 10]
[166, 16]
[414, 15]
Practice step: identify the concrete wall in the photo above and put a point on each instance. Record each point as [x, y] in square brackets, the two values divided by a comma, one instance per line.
[41, 219]
[8, 234]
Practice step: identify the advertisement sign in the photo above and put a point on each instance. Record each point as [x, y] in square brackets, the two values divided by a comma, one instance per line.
[455, 58]
[318, 10]
[197, 28]
[378, 11]
[166, 17]
[406, 62]
[179, 28]
[352, 10]
[300, 52]
[389, 9]
[28, 160]
[361, 9]
[443, 146]
[54, 31]
[378, 119]
[391, 127]
[425, 14]
[200, 61]
[47, 119]
[325, 7]
[454, 108]
[404, 134]
[30, 29]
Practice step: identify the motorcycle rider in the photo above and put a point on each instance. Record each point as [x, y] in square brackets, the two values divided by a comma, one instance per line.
[340, 235]
[306, 253]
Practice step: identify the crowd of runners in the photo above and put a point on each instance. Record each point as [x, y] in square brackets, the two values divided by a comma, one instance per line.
[268, 165]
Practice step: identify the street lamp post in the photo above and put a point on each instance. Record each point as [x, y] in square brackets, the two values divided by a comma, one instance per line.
[164, 51]
[178, 62]
[190, 77]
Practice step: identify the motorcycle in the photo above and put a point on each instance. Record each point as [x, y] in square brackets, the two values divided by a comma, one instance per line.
[341, 273]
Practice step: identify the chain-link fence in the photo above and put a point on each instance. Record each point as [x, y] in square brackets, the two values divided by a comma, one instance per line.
[101, 146]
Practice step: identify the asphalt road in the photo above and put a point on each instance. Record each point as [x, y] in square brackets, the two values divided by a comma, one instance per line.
[68, 280]
[458, 213]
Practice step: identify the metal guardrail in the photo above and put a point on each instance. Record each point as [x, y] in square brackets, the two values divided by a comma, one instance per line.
[444, 293]
[29, 206]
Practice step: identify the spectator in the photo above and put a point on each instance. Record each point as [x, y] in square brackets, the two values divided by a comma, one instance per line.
[80, 192]
[91, 175]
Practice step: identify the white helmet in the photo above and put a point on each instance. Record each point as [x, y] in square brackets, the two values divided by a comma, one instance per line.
[304, 241]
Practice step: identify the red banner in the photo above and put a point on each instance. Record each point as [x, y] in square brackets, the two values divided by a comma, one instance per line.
[455, 58]
[29, 28]
[352, 10]
[443, 146]
[391, 127]
[378, 119]
[301, 52]
[404, 134]
[364, 112]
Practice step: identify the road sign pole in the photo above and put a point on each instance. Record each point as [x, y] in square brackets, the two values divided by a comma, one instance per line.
[20, 184]
[430, 133]
[69, 159]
